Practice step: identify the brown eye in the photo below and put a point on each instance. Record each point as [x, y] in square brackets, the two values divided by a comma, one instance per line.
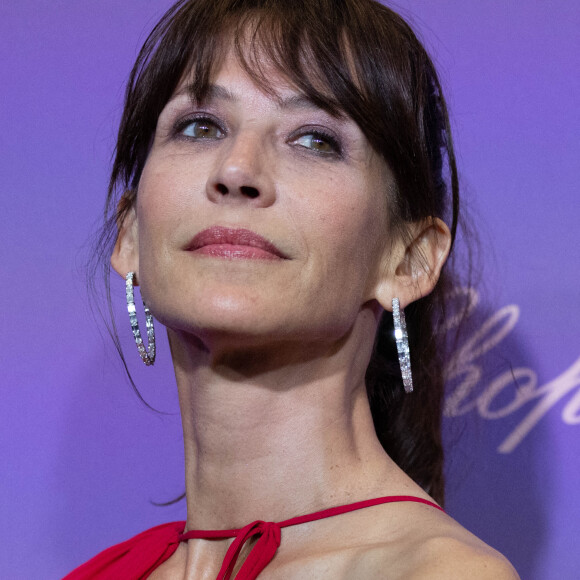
[319, 143]
[202, 129]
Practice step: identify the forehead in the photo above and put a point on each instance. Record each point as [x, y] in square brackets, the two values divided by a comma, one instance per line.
[249, 64]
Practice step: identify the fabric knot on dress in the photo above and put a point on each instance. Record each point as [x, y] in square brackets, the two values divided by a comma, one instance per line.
[261, 554]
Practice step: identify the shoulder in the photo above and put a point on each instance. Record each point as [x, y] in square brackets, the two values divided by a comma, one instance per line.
[420, 543]
[452, 558]
[446, 551]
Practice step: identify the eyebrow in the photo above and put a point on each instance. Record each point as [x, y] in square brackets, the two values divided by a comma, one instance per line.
[221, 93]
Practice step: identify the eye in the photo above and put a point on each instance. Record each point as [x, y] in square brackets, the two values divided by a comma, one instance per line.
[203, 128]
[318, 142]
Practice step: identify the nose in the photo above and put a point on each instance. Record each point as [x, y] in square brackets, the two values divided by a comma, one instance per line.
[242, 173]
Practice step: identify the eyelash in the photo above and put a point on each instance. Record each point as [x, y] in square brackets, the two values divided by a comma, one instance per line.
[182, 124]
[323, 136]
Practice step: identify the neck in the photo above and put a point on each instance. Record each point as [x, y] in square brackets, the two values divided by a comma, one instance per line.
[277, 431]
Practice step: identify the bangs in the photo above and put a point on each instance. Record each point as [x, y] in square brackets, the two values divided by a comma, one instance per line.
[298, 48]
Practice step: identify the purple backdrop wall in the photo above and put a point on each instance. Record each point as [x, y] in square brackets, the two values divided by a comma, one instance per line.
[82, 459]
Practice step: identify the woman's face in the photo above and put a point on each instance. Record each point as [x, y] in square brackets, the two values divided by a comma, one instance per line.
[259, 216]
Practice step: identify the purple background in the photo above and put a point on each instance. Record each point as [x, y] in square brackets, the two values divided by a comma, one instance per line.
[82, 459]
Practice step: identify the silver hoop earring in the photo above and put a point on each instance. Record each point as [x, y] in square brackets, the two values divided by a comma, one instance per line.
[402, 341]
[147, 354]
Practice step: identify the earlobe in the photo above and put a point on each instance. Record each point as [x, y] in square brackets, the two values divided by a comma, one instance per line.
[415, 266]
[125, 256]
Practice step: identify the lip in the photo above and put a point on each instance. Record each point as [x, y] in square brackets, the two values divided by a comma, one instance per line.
[223, 242]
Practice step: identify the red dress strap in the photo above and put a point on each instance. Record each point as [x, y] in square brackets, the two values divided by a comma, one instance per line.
[269, 535]
[351, 507]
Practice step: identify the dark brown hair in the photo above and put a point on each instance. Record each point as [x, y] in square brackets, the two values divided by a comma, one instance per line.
[353, 57]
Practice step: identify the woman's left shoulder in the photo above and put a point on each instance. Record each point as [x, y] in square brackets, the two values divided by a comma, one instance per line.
[433, 547]
[449, 557]
[438, 558]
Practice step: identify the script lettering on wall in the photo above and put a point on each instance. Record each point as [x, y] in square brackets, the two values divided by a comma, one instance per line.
[465, 372]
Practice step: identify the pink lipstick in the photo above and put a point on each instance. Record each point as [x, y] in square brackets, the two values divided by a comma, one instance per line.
[232, 243]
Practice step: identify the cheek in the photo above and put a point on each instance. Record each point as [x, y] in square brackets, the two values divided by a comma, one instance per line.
[166, 196]
[161, 203]
[349, 218]
[346, 229]
[163, 189]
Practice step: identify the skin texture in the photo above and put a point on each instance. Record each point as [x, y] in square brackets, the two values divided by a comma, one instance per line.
[270, 355]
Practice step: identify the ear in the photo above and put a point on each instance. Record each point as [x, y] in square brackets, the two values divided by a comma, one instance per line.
[412, 267]
[125, 256]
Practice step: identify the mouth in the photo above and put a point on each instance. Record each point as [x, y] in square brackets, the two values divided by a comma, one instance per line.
[234, 243]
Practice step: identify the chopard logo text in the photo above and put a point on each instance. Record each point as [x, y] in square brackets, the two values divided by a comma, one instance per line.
[464, 371]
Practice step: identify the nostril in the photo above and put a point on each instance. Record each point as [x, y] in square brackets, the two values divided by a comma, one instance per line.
[244, 190]
[251, 192]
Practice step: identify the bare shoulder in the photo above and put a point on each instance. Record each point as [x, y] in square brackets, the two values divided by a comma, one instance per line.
[451, 558]
[438, 558]
[438, 548]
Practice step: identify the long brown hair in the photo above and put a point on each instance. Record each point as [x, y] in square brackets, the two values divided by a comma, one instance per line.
[355, 57]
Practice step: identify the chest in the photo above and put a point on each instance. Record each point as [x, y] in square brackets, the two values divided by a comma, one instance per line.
[370, 563]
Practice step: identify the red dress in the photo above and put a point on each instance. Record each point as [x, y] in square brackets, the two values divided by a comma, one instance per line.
[136, 558]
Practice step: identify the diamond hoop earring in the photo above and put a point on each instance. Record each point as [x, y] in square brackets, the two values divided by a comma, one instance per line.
[402, 341]
[147, 357]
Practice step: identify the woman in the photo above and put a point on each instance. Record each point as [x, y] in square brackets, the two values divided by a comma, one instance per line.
[288, 187]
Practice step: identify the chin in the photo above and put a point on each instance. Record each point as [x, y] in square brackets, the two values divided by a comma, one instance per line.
[219, 314]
